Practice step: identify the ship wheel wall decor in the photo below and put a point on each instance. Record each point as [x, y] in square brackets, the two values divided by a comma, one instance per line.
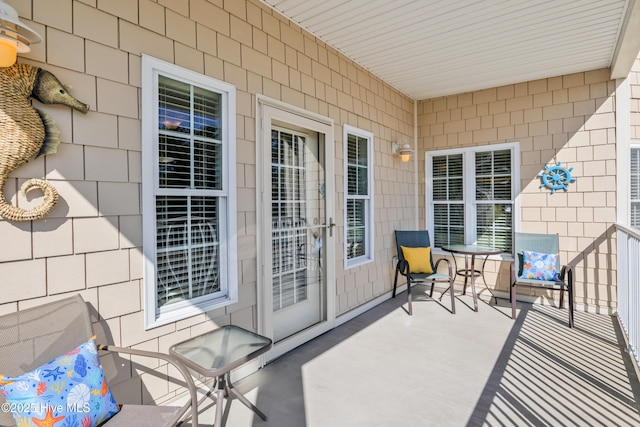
[556, 177]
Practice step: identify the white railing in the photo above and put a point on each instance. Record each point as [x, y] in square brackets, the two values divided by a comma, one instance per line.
[629, 286]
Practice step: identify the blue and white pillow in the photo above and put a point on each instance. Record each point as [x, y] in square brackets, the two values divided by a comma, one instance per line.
[71, 390]
[539, 266]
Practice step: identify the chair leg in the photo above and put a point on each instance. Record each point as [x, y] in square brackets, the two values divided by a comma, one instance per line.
[432, 286]
[395, 284]
[513, 301]
[409, 296]
[453, 297]
[562, 298]
[570, 290]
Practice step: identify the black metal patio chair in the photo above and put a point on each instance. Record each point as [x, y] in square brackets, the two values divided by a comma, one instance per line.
[423, 269]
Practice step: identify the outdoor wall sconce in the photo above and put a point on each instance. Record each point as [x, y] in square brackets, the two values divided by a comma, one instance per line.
[15, 36]
[402, 149]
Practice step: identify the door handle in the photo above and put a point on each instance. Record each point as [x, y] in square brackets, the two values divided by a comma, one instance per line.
[330, 227]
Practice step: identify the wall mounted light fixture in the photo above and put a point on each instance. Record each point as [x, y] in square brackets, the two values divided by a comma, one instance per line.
[402, 149]
[15, 36]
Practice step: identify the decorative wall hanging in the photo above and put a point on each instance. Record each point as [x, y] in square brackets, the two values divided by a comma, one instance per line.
[556, 177]
[27, 133]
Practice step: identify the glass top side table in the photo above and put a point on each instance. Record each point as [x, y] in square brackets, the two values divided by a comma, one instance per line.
[214, 354]
[470, 271]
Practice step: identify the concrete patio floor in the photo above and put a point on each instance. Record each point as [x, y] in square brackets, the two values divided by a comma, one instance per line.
[386, 368]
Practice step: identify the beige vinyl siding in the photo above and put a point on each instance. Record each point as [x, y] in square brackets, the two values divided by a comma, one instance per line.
[568, 119]
[92, 241]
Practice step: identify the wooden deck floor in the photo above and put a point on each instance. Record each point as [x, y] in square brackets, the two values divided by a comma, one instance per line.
[386, 368]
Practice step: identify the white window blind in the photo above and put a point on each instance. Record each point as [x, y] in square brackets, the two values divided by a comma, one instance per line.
[494, 225]
[448, 200]
[358, 196]
[188, 192]
[471, 195]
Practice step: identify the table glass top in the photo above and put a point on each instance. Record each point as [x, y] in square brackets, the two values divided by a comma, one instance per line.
[222, 349]
[472, 249]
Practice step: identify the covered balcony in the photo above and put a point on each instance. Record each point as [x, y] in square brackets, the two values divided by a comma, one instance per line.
[242, 158]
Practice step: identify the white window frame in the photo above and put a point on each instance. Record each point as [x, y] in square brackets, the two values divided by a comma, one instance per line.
[635, 146]
[228, 293]
[469, 188]
[369, 208]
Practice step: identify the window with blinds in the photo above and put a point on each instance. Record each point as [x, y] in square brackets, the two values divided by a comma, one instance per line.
[187, 198]
[358, 196]
[448, 200]
[471, 195]
[635, 187]
[494, 203]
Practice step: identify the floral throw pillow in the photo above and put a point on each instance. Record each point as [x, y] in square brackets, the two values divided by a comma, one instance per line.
[71, 390]
[539, 266]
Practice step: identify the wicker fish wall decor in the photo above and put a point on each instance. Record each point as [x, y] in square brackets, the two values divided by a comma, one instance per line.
[27, 133]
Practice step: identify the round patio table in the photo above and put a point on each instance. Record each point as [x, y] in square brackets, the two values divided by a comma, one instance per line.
[470, 271]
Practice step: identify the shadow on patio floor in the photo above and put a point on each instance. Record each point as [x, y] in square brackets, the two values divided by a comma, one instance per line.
[385, 368]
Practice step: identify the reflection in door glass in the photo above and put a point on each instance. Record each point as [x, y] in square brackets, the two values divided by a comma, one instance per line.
[297, 230]
[297, 217]
[289, 242]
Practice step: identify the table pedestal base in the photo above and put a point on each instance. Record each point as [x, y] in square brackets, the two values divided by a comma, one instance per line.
[473, 273]
[224, 389]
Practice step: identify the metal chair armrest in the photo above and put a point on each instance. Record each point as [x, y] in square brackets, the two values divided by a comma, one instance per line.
[567, 271]
[193, 401]
[446, 261]
[403, 267]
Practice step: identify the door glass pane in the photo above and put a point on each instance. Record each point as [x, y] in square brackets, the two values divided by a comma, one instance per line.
[288, 207]
[297, 232]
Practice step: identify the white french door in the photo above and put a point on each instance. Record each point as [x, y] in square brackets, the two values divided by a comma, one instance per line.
[295, 182]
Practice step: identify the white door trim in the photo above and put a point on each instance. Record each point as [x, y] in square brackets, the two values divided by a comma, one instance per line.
[268, 111]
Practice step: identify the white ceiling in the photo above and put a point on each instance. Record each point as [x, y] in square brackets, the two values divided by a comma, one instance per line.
[430, 48]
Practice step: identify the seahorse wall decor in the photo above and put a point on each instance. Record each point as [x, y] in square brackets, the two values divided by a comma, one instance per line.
[27, 133]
